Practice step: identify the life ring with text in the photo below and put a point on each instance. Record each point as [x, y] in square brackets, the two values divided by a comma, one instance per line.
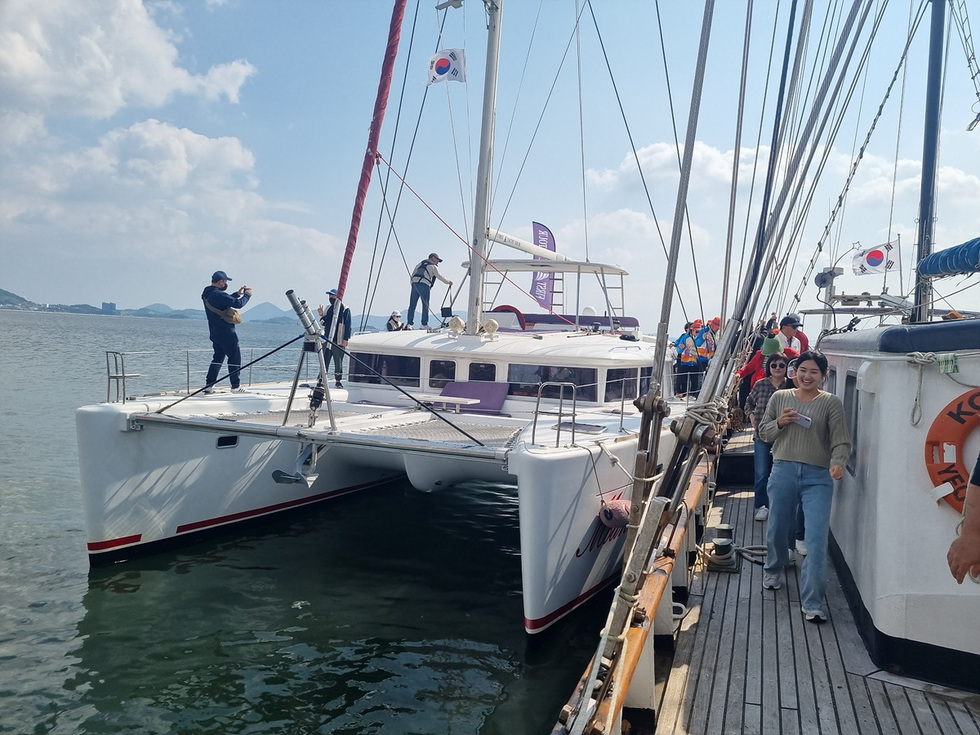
[946, 441]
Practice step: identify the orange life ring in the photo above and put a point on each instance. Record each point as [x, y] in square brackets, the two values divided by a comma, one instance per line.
[947, 435]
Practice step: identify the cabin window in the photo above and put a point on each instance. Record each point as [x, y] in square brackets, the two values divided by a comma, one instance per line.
[485, 371]
[646, 378]
[396, 369]
[441, 372]
[851, 409]
[621, 383]
[525, 379]
[831, 386]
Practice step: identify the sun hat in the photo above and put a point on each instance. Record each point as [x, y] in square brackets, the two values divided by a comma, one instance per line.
[715, 323]
[771, 346]
[697, 324]
[219, 276]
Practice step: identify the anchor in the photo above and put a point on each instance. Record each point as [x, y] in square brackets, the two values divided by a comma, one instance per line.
[305, 461]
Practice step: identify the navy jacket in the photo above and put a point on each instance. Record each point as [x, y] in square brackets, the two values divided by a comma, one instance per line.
[221, 300]
[343, 326]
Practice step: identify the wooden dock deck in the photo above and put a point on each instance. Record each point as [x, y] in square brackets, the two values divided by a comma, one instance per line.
[747, 662]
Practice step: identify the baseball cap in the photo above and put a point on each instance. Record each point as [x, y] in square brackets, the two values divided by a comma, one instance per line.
[433, 255]
[790, 320]
[219, 276]
[397, 313]
[332, 292]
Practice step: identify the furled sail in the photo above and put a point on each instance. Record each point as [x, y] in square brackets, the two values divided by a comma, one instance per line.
[960, 259]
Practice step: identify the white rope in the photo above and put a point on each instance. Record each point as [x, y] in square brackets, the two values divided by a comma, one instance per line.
[920, 360]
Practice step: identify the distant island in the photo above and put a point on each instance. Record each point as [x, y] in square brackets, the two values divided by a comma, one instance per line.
[265, 313]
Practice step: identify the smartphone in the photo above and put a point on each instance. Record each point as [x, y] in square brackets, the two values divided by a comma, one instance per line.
[802, 420]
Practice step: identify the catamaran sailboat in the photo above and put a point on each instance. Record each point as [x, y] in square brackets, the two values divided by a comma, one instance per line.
[544, 403]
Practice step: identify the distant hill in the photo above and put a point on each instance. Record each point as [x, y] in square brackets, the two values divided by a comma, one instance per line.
[265, 312]
[12, 299]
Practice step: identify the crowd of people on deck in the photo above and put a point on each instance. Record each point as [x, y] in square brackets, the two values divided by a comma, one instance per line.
[693, 351]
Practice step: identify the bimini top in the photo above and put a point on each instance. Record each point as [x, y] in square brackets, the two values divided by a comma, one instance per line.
[953, 261]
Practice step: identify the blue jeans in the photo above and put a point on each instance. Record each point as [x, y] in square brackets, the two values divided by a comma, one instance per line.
[419, 290]
[762, 456]
[225, 345]
[792, 484]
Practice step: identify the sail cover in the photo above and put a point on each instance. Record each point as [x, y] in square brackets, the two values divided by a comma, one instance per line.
[960, 259]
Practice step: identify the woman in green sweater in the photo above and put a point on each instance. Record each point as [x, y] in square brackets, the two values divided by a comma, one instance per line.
[810, 447]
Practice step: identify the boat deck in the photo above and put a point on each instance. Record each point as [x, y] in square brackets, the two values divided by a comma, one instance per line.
[747, 662]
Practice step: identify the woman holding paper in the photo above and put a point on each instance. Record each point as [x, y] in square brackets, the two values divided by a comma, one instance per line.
[810, 447]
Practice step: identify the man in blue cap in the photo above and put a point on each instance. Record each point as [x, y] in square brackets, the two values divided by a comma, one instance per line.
[335, 334]
[219, 306]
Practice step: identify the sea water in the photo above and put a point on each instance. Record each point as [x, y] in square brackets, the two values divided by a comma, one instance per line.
[388, 611]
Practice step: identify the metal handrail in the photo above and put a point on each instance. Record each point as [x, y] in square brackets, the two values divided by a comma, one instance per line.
[116, 375]
[115, 368]
[560, 413]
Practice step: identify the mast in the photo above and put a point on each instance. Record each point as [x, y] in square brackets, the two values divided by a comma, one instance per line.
[481, 209]
[380, 103]
[922, 308]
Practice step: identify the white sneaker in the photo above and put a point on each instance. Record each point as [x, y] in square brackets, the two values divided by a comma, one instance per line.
[208, 391]
[762, 513]
[801, 547]
[814, 616]
[239, 390]
[771, 581]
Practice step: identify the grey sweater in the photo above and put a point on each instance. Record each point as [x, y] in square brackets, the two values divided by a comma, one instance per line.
[824, 444]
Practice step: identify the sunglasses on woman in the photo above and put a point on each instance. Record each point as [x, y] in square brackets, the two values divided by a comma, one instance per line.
[777, 365]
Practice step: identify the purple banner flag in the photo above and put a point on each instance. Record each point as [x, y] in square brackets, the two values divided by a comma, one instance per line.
[543, 284]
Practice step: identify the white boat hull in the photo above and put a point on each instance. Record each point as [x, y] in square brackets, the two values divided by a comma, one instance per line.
[890, 534]
[152, 480]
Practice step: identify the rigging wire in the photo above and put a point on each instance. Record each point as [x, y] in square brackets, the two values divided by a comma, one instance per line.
[677, 149]
[459, 237]
[371, 292]
[537, 127]
[746, 243]
[855, 163]
[513, 114]
[581, 129]
[636, 155]
[736, 157]
[898, 141]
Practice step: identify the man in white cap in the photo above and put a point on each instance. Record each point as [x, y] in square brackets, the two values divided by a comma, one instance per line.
[423, 278]
[395, 323]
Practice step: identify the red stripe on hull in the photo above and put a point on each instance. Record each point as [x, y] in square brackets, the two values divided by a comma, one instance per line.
[538, 624]
[114, 542]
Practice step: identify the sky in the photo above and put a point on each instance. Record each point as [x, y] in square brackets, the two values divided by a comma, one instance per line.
[144, 145]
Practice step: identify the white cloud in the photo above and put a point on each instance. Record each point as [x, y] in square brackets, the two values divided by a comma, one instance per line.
[91, 59]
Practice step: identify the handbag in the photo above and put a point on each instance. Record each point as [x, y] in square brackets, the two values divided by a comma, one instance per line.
[230, 315]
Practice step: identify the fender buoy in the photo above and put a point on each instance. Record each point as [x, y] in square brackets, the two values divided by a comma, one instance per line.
[615, 513]
[946, 441]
